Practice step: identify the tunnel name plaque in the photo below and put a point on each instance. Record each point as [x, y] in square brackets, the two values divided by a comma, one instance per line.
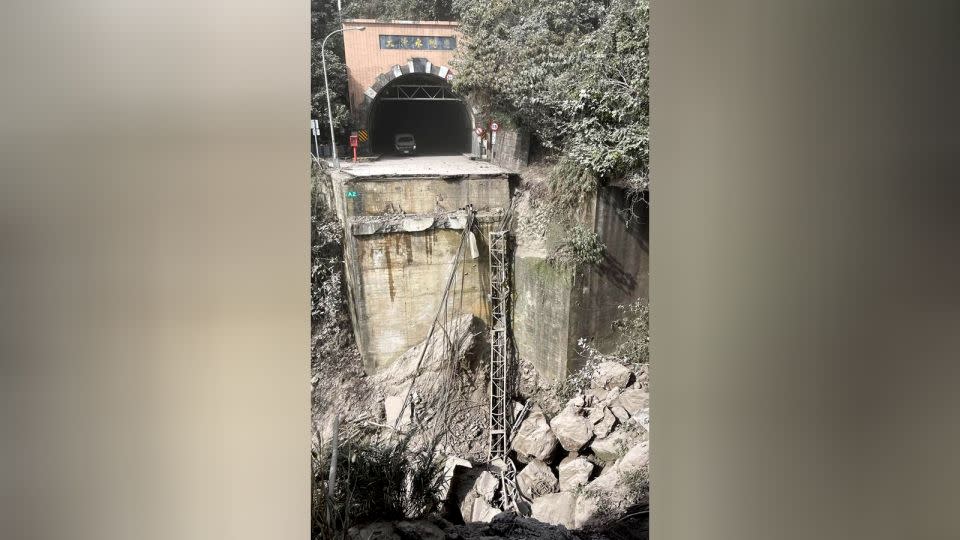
[429, 43]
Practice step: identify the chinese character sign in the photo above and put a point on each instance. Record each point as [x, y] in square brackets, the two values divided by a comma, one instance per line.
[434, 43]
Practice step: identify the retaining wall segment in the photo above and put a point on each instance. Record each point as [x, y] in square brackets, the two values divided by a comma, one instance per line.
[401, 239]
[555, 307]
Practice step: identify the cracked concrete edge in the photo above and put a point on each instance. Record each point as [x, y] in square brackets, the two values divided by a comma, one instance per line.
[369, 225]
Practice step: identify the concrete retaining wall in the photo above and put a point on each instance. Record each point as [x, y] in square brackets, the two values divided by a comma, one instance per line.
[555, 307]
[421, 195]
[512, 149]
[396, 279]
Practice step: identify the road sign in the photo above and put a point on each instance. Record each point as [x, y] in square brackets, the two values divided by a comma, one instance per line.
[449, 77]
[479, 131]
[362, 134]
[315, 126]
[352, 194]
[494, 126]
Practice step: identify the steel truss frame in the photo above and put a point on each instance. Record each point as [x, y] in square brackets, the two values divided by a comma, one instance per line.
[418, 92]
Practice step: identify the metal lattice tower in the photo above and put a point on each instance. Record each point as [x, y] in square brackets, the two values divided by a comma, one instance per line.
[499, 362]
[499, 349]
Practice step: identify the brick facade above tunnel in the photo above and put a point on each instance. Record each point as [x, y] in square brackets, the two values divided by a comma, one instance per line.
[371, 64]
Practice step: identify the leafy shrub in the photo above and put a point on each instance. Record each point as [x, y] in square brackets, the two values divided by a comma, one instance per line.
[578, 76]
[374, 482]
[581, 246]
[570, 183]
[635, 482]
[634, 328]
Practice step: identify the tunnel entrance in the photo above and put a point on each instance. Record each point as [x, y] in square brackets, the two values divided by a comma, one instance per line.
[425, 106]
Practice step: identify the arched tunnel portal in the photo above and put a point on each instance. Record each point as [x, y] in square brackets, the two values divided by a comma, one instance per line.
[424, 105]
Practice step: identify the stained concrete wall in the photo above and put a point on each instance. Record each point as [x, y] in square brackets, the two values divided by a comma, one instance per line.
[622, 276]
[396, 280]
[512, 149]
[422, 195]
[399, 286]
[555, 307]
[541, 315]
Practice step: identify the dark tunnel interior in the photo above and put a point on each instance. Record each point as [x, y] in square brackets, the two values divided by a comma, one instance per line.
[439, 127]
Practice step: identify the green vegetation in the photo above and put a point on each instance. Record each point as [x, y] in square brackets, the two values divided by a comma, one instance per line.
[405, 10]
[323, 20]
[576, 74]
[633, 351]
[634, 330]
[581, 246]
[374, 482]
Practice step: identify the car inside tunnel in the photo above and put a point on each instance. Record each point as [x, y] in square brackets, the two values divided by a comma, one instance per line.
[425, 107]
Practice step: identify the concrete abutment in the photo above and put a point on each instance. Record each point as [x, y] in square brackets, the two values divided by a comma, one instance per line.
[402, 234]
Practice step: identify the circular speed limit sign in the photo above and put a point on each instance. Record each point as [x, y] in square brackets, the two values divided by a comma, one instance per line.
[494, 126]
[449, 76]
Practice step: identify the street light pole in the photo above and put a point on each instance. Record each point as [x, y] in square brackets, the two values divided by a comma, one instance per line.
[326, 87]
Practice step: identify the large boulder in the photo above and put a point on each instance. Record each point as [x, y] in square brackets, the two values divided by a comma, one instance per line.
[450, 468]
[483, 511]
[534, 438]
[462, 491]
[603, 426]
[621, 413]
[635, 458]
[611, 375]
[599, 496]
[467, 503]
[555, 509]
[473, 490]
[613, 491]
[595, 414]
[634, 400]
[487, 485]
[596, 394]
[615, 445]
[574, 472]
[537, 479]
[572, 429]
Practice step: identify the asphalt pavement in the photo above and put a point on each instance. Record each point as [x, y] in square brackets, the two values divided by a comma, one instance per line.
[420, 165]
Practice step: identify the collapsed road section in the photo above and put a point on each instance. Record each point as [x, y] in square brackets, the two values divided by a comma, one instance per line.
[403, 222]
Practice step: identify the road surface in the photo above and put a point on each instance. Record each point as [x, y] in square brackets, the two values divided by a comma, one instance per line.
[420, 165]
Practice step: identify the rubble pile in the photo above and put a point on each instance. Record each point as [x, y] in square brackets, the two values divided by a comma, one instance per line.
[584, 464]
[438, 393]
